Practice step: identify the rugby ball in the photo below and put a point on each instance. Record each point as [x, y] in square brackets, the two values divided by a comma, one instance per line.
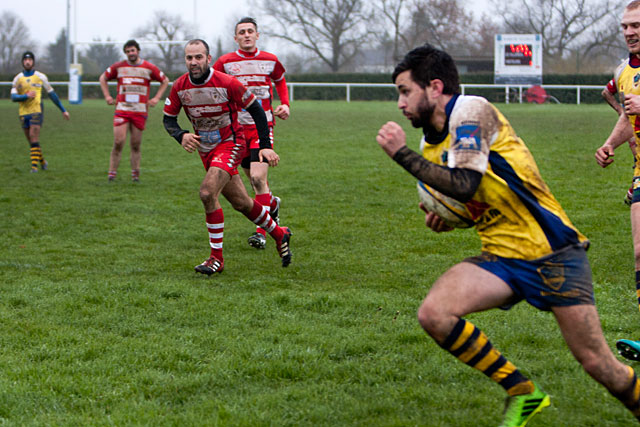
[452, 212]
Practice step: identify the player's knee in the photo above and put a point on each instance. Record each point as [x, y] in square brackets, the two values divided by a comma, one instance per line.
[205, 195]
[429, 318]
[255, 181]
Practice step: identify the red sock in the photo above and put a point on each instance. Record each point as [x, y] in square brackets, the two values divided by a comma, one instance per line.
[215, 226]
[272, 202]
[260, 216]
[264, 200]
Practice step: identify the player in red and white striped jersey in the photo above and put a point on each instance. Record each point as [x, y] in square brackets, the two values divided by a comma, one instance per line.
[211, 101]
[134, 77]
[256, 70]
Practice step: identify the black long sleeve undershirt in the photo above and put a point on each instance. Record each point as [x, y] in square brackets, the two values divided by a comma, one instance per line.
[262, 126]
[173, 128]
[461, 184]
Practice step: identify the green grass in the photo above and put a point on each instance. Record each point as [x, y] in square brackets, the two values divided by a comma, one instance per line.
[104, 322]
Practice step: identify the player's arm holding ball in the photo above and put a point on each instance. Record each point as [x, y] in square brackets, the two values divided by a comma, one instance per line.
[392, 139]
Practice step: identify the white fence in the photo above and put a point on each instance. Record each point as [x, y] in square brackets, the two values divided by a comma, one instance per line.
[508, 89]
[521, 89]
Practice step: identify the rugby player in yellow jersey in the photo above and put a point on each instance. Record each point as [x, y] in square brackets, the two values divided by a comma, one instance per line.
[628, 126]
[530, 249]
[27, 90]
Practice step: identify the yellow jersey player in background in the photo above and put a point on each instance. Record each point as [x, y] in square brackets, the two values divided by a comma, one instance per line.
[530, 249]
[27, 91]
[627, 77]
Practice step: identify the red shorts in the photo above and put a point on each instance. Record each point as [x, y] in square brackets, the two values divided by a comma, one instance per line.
[251, 135]
[138, 120]
[227, 156]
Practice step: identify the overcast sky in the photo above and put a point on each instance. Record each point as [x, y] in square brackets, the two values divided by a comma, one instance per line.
[118, 19]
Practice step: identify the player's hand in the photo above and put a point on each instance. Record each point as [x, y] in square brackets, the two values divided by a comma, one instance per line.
[631, 104]
[282, 111]
[190, 142]
[604, 155]
[110, 100]
[31, 94]
[433, 221]
[391, 138]
[270, 156]
[152, 102]
[66, 115]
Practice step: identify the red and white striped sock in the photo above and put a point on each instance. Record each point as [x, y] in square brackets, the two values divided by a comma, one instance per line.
[264, 200]
[112, 174]
[259, 215]
[215, 226]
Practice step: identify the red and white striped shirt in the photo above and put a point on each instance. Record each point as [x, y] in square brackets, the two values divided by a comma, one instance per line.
[256, 71]
[212, 107]
[134, 82]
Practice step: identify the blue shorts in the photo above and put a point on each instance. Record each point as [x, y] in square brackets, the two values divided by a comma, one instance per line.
[562, 278]
[29, 120]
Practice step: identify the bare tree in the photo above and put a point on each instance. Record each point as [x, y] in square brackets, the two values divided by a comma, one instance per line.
[334, 30]
[438, 22]
[164, 26]
[395, 13]
[99, 56]
[14, 39]
[569, 28]
[56, 53]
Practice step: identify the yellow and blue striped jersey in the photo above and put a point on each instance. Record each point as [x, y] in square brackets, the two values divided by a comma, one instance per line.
[516, 215]
[627, 77]
[25, 83]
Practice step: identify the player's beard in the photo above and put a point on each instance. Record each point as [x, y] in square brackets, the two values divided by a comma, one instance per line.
[198, 72]
[425, 111]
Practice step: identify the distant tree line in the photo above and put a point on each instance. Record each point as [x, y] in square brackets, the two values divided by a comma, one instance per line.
[339, 36]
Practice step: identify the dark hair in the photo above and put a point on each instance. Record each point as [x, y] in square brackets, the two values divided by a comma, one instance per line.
[198, 41]
[246, 20]
[130, 43]
[428, 63]
[28, 54]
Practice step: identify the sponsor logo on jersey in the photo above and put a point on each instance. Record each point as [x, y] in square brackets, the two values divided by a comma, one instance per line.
[468, 138]
[185, 97]
[250, 79]
[132, 80]
[199, 111]
[136, 89]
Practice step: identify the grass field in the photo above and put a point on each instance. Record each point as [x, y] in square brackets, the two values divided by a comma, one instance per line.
[104, 322]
